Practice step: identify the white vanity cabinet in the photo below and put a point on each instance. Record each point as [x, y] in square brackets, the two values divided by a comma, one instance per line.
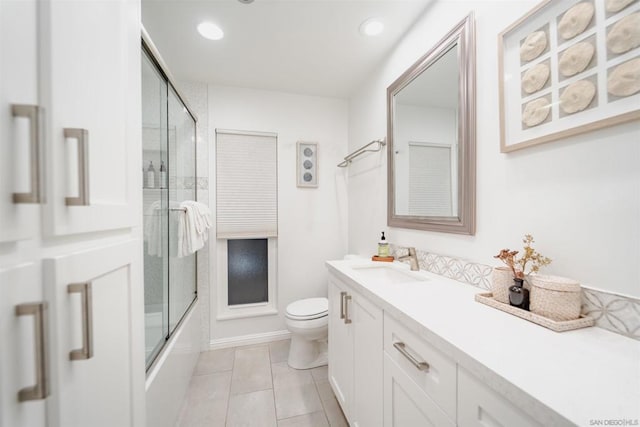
[90, 92]
[355, 354]
[389, 367]
[70, 79]
[96, 360]
[69, 116]
[419, 381]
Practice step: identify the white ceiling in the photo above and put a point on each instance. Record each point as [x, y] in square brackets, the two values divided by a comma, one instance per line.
[301, 46]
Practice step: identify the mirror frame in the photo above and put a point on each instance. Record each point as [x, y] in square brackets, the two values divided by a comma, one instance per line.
[462, 34]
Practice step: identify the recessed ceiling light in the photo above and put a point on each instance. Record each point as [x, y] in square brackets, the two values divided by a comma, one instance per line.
[210, 31]
[371, 27]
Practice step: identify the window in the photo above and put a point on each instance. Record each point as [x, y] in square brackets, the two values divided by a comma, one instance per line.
[247, 271]
[246, 223]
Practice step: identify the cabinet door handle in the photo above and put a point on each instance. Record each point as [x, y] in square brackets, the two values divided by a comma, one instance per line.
[347, 298]
[41, 389]
[82, 135]
[401, 347]
[36, 155]
[342, 295]
[86, 352]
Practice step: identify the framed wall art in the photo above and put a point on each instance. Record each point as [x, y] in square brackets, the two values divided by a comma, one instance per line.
[568, 67]
[307, 164]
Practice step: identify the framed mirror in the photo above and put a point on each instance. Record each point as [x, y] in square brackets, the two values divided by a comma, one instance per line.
[431, 132]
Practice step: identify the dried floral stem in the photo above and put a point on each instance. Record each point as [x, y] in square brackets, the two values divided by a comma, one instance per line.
[508, 257]
[530, 256]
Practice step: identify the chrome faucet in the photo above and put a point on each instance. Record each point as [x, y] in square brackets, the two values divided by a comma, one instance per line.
[412, 258]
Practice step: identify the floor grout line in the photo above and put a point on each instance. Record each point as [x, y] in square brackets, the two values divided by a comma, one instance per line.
[316, 383]
[324, 410]
[226, 412]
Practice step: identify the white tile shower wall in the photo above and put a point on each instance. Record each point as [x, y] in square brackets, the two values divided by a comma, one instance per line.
[312, 222]
[579, 197]
[198, 100]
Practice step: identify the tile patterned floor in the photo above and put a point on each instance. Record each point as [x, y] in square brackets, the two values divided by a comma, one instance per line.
[253, 386]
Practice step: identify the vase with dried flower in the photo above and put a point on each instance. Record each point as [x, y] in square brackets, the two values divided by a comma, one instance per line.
[529, 262]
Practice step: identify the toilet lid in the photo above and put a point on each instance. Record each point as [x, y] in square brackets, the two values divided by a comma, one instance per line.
[307, 309]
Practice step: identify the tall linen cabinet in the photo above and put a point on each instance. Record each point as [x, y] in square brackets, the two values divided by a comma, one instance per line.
[71, 289]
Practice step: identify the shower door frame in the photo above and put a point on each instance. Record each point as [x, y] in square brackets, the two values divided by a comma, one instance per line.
[151, 51]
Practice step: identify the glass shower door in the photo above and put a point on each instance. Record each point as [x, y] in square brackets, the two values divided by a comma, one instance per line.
[169, 179]
[182, 187]
[155, 205]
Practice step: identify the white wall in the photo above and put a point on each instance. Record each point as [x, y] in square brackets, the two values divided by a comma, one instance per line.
[579, 197]
[312, 223]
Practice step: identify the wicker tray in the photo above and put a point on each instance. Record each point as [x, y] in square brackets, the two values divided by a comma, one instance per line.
[554, 325]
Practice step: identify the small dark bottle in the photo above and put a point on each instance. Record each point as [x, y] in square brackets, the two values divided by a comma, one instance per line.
[518, 295]
[163, 175]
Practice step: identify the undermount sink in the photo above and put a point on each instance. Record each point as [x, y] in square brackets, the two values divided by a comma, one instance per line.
[387, 274]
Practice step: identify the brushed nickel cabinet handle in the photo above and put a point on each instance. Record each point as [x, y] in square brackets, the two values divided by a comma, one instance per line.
[347, 298]
[82, 135]
[86, 352]
[401, 347]
[41, 389]
[342, 295]
[36, 155]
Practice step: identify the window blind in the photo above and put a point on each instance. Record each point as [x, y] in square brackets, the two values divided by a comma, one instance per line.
[429, 179]
[246, 184]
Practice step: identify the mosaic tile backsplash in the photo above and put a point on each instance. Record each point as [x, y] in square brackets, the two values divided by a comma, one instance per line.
[616, 313]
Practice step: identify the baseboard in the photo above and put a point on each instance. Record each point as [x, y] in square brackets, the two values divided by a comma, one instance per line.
[249, 339]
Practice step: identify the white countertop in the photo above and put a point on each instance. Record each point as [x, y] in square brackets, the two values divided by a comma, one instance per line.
[585, 376]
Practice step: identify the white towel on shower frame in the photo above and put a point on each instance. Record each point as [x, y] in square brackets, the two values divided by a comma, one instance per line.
[193, 227]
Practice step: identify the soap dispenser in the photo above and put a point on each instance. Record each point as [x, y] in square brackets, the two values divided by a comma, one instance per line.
[383, 246]
[151, 175]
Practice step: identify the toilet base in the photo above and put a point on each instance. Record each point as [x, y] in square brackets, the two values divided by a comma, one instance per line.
[307, 354]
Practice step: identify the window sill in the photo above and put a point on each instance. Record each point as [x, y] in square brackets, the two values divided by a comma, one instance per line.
[242, 313]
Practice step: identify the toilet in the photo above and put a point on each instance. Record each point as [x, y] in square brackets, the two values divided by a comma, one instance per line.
[308, 320]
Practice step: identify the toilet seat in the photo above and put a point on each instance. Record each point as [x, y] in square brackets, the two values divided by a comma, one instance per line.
[308, 309]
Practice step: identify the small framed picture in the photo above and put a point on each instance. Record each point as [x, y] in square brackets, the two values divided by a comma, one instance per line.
[307, 164]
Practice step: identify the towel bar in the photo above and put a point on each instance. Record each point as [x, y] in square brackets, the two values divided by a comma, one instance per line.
[348, 159]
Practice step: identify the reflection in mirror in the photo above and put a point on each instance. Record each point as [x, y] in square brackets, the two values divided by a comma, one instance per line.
[431, 134]
[426, 141]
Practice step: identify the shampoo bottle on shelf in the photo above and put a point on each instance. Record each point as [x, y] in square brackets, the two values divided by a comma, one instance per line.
[151, 176]
[163, 175]
[383, 246]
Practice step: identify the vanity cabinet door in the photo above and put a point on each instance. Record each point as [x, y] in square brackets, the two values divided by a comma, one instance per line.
[480, 406]
[24, 351]
[90, 89]
[435, 374]
[98, 359]
[405, 403]
[355, 355]
[340, 347]
[21, 141]
[368, 364]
